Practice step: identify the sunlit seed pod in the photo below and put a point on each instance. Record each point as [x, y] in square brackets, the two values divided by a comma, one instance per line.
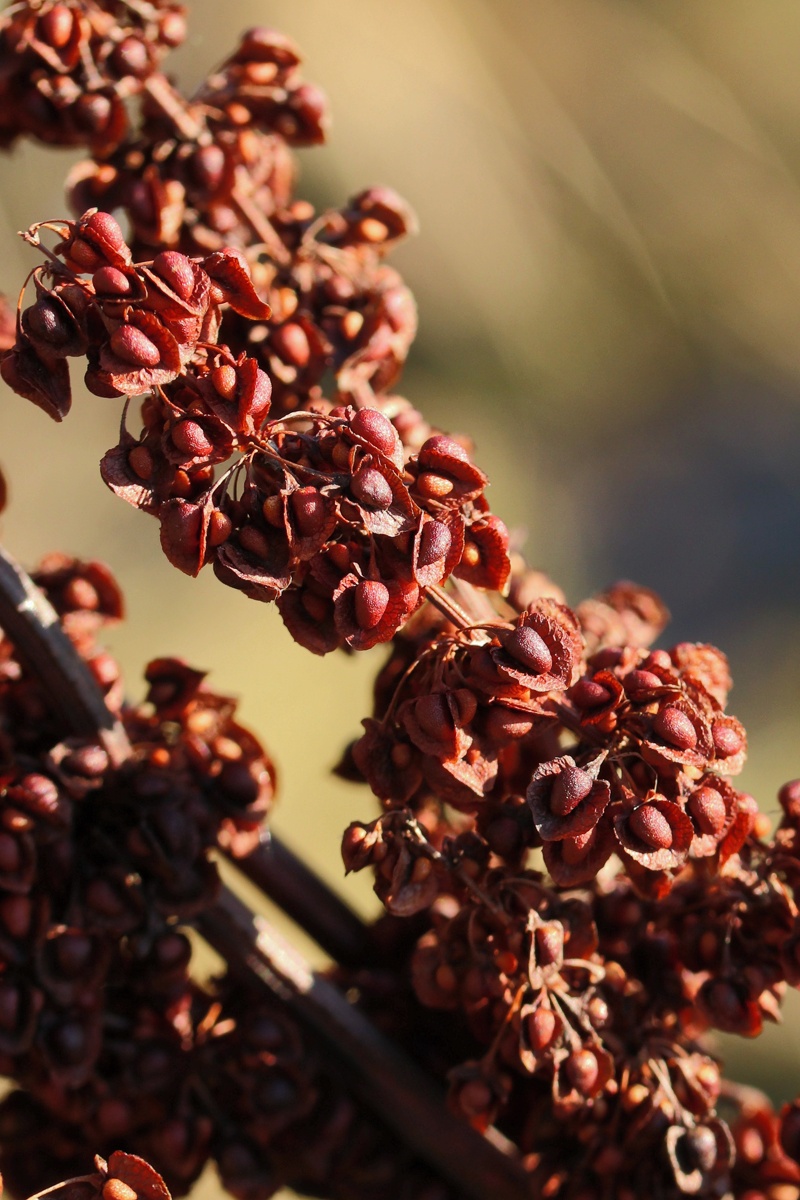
[370, 602]
[570, 786]
[134, 347]
[675, 728]
[525, 645]
[651, 827]
[371, 488]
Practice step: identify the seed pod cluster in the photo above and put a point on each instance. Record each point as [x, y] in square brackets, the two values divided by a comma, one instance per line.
[660, 909]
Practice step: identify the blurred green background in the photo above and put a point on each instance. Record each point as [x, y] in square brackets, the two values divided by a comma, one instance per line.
[608, 276]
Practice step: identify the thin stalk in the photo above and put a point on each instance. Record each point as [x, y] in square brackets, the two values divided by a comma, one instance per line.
[310, 903]
[173, 105]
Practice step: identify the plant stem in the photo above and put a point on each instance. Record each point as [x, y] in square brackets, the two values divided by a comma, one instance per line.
[391, 1087]
[310, 903]
[31, 623]
[173, 105]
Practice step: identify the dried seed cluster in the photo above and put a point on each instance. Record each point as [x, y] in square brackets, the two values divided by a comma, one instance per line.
[68, 68]
[583, 891]
[323, 512]
[577, 992]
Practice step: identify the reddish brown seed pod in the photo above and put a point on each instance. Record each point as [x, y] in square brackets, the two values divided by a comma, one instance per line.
[376, 429]
[588, 694]
[582, 1071]
[371, 488]
[309, 509]
[290, 342]
[540, 1028]
[371, 599]
[675, 728]
[727, 740]
[707, 807]
[190, 438]
[56, 25]
[133, 346]
[224, 381]
[528, 647]
[570, 787]
[651, 827]
[176, 270]
[110, 281]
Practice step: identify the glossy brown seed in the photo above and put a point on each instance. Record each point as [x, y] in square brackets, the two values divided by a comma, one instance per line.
[110, 281]
[134, 347]
[651, 827]
[433, 716]
[220, 528]
[140, 461]
[224, 381]
[540, 1027]
[503, 723]
[176, 271]
[55, 26]
[675, 728]
[371, 488]
[105, 232]
[528, 647]
[549, 940]
[727, 740]
[191, 439]
[570, 786]
[370, 602]
[47, 323]
[582, 1071]
[588, 694]
[638, 683]
[376, 429]
[707, 807]
[434, 486]
[115, 1189]
[701, 1146]
[309, 509]
[130, 57]
[290, 342]
[439, 445]
[434, 543]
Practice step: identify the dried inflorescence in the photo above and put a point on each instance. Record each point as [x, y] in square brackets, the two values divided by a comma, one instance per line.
[577, 891]
[68, 68]
[99, 858]
[323, 512]
[661, 911]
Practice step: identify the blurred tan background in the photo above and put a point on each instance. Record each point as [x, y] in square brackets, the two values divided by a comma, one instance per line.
[608, 275]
